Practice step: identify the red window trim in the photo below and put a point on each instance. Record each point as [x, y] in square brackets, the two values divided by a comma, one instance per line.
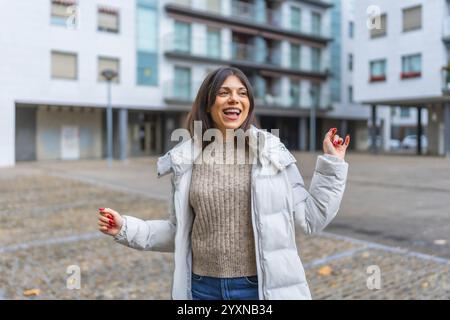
[377, 78]
[409, 75]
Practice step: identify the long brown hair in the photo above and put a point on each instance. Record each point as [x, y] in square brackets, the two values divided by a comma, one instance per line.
[206, 98]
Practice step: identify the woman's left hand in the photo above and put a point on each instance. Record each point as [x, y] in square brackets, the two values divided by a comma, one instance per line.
[335, 145]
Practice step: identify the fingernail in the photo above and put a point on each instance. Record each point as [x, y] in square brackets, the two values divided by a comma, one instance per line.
[101, 209]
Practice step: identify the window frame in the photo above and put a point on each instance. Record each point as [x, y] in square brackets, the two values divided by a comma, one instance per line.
[380, 35]
[99, 77]
[377, 78]
[403, 18]
[67, 53]
[411, 74]
[112, 11]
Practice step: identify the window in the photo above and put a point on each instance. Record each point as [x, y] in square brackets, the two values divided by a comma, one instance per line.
[295, 93]
[295, 56]
[108, 20]
[412, 18]
[316, 22]
[61, 11]
[147, 43]
[350, 94]
[381, 30]
[182, 38]
[411, 66]
[64, 65]
[350, 62]
[108, 63]
[296, 19]
[213, 43]
[315, 59]
[378, 70]
[213, 5]
[351, 29]
[147, 68]
[404, 112]
[182, 84]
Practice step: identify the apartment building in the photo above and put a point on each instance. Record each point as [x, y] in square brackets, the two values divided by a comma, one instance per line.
[402, 60]
[53, 94]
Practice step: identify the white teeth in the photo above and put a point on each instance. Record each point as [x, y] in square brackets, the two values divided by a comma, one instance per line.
[232, 110]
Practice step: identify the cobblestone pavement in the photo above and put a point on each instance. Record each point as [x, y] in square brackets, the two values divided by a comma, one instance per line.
[48, 223]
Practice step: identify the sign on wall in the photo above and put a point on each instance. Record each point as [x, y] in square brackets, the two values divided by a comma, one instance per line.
[70, 143]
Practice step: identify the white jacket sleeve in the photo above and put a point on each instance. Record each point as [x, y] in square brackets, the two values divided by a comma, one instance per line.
[315, 209]
[150, 235]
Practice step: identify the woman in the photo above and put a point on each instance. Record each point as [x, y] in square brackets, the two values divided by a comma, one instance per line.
[232, 225]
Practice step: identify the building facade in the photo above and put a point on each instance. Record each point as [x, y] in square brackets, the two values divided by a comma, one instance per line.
[53, 94]
[402, 60]
[345, 108]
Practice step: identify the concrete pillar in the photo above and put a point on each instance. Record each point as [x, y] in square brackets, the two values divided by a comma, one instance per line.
[419, 130]
[302, 133]
[7, 130]
[123, 133]
[447, 129]
[344, 128]
[373, 130]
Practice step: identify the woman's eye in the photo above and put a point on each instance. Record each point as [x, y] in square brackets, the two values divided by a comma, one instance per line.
[223, 93]
[243, 93]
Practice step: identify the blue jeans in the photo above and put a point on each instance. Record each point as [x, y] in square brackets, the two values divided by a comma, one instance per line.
[211, 288]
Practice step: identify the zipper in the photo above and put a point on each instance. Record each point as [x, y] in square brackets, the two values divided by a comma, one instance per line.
[258, 237]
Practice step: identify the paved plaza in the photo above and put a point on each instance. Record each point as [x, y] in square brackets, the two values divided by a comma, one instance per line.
[395, 215]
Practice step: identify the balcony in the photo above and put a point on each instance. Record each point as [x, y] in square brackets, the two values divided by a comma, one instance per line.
[241, 55]
[248, 53]
[248, 14]
[446, 31]
[445, 73]
[180, 92]
[195, 47]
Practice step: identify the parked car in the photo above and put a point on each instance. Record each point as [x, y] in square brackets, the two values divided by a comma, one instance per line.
[394, 144]
[410, 142]
[378, 140]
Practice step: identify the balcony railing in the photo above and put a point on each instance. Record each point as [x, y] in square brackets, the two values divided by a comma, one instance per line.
[249, 12]
[446, 30]
[180, 91]
[445, 72]
[195, 46]
[248, 52]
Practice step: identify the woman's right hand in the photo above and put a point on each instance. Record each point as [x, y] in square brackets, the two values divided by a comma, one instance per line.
[109, 221]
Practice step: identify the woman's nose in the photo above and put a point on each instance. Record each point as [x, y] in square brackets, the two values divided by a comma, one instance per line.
[233, 98]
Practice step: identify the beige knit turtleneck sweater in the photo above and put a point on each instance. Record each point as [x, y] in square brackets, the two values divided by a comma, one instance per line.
[222, 234]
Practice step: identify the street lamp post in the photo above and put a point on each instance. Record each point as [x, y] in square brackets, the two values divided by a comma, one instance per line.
[312, 123]
[109, 76]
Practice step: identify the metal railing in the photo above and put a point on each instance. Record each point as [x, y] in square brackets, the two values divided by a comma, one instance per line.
[249, 12]
[248, 52]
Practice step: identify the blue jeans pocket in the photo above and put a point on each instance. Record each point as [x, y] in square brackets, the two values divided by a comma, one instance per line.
[253, 280]
[196, 277]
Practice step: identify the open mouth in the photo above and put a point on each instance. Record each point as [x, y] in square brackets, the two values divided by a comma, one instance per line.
[232, 113]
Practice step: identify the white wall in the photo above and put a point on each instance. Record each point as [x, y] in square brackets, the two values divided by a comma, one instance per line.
[427, 41]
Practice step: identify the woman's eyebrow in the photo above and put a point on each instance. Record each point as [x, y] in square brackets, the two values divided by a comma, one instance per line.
[239, 88]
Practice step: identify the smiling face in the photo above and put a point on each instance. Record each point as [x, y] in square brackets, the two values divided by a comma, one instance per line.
[231, 106]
